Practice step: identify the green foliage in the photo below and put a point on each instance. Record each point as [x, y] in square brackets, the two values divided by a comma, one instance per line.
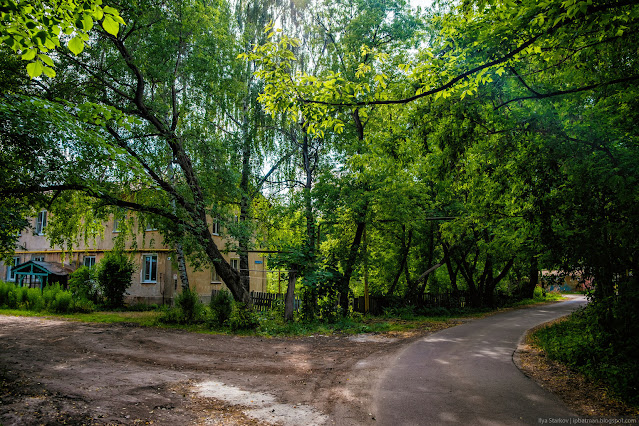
[222, 307]
[34, 28]
[328, 306]
[5, 288]
[188, 310]
[49, 294]
[243, 318]
[142, 307]
[34, 300]
[188, 303]
[83, 284]
[63, 303]
[12, 299]
[586, 344]
[114, 276]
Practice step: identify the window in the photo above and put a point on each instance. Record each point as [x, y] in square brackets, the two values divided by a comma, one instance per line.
[41, 222]
[215, 278]
[150, 271]
[150, 227]
[37, 258]
[89, 261]
[215, 229]
[235, 263]
[116, 224]
[11, 276]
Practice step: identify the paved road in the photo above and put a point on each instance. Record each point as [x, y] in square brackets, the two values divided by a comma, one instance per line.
[465, 375]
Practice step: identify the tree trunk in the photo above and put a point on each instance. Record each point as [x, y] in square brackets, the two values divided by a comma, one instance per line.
[350, 263]
[289, 302]
[181, 261]
[533, 278]
[243, 239]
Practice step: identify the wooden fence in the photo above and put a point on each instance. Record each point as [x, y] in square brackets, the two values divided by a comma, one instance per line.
[377, 304]
[264, 301]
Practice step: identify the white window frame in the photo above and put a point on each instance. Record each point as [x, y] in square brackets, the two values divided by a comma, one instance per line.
[215, 228]
[39, 258]
[116, 224]
[215, 277]
[41, 222]
[147, 275]
[235, 263]
[92, 264]
[15, 261]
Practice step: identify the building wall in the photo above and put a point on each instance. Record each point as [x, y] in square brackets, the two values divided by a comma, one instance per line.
[148, 243]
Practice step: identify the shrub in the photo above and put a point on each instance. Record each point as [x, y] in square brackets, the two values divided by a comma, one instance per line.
[83, 306]
[222, 307]
[63, 302]
[243, 318]
[21, 296]
[5, 288]
[170, 315]
[34, 300]
[114, 277]
[84, 285]
[142, 307]
[49, 294]
[188, 302]
[12, 298]
[328, 304]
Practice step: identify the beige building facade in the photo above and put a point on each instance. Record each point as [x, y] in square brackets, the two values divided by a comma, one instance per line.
[156, 279]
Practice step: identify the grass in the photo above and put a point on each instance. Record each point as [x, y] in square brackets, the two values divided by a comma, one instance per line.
[583, 345]
[271, 323]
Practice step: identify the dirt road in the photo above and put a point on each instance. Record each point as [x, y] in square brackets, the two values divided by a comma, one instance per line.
[62, 372]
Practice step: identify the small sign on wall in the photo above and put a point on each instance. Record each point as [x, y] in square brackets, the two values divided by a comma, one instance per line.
[258, 262]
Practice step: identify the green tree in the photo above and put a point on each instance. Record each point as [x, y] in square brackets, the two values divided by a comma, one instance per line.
[35, 28]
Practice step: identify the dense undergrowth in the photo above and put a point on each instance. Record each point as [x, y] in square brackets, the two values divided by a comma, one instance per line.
[586, 342]
[223, 315]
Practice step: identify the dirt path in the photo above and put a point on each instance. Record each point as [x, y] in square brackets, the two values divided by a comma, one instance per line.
[61, 372]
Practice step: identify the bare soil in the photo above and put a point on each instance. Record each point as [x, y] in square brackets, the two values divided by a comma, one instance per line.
[62, 372]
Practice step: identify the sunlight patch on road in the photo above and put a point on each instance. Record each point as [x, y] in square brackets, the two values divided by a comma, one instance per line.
[262, 406]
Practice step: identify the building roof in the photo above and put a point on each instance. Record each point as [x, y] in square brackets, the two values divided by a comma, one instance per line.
[52, 268]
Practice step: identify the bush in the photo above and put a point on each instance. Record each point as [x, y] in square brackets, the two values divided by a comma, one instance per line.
[170, 315]
[5, 288]
[328, 304]
[114, 277]
[21, 296]
[48, 295]
[539, 293]
[84, 285]
[222, 307]
[12, 299]
[83, 306]
[34, 300]
[583, 343]
[243, 318]
[142, 307]
[188, 302]
[63, 303]
[436, 311]
[188, 310]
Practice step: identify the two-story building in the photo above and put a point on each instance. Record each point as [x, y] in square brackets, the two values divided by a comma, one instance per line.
[156, 279]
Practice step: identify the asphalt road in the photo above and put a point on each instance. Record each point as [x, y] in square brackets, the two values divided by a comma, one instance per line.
[465, 375]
